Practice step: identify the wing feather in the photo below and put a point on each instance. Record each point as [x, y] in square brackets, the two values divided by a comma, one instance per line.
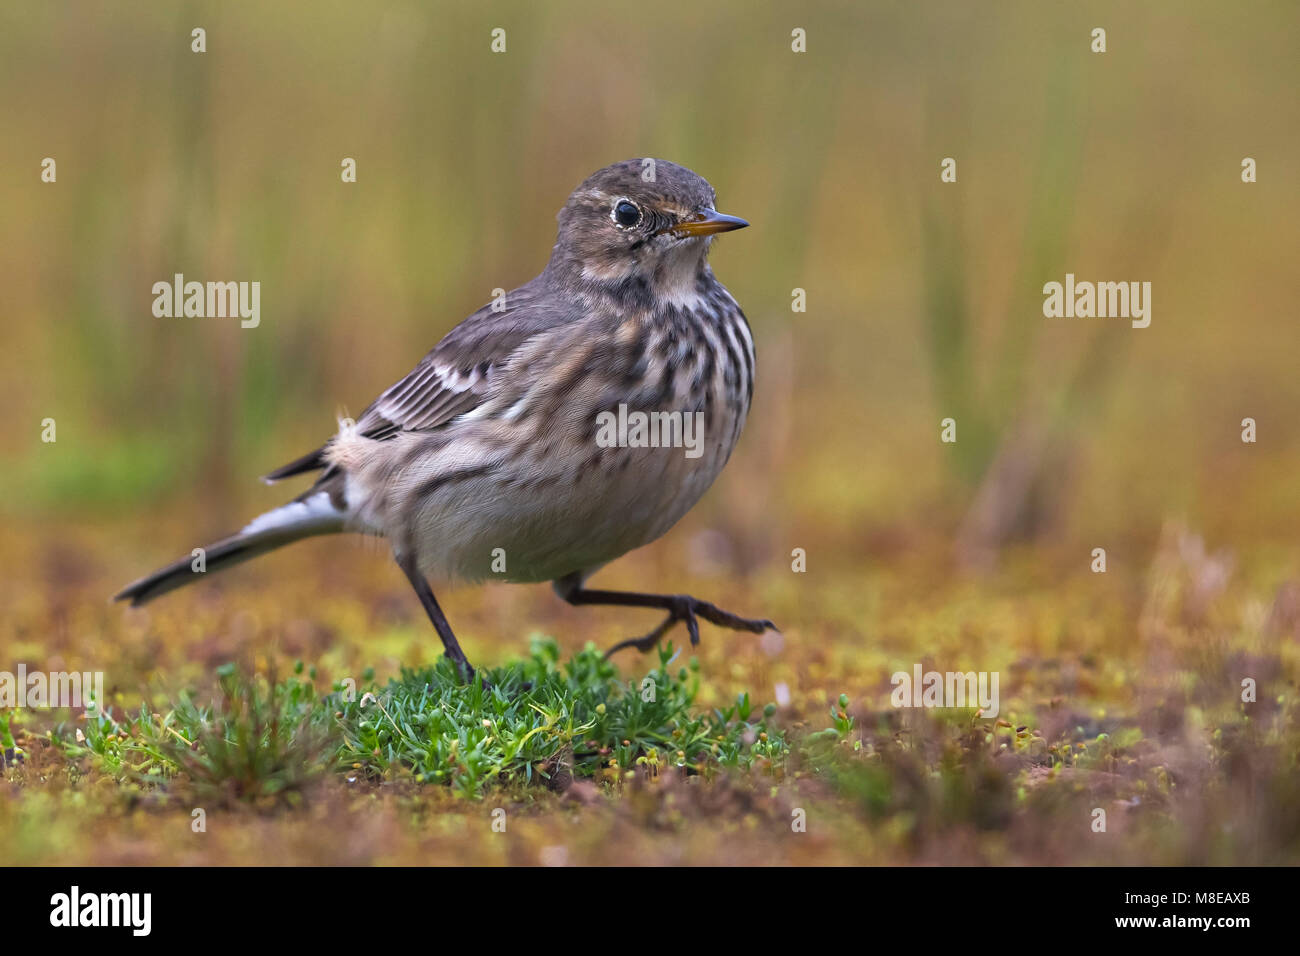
[458, 374]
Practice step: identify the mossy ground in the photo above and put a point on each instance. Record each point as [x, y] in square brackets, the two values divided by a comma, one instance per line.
[1127, 701]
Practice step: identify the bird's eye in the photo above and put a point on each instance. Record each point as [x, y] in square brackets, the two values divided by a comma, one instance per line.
[626, 213]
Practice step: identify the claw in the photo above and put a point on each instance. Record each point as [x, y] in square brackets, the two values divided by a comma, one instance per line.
[686, 608]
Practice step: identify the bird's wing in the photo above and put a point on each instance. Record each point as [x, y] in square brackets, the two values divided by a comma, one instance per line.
[455, 377]
[435, 392]
[459, 373]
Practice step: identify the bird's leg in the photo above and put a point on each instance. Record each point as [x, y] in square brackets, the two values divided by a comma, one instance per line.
[648, 642]
[425, 593]
[680, 607]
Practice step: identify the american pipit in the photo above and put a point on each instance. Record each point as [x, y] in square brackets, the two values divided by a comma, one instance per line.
[497, 456]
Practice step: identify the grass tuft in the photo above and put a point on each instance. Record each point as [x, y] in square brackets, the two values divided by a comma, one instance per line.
[531, 721]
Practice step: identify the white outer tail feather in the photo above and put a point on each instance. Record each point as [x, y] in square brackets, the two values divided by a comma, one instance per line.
[312, 515]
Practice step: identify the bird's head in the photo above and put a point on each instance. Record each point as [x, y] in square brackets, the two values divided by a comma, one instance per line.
[639, 220]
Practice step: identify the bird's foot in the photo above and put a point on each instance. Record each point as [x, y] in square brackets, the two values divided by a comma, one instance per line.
[686, 608]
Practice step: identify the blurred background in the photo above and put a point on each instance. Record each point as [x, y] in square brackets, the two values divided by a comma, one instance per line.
[924, 301]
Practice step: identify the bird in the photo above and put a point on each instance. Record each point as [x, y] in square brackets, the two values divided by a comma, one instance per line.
[498, 456]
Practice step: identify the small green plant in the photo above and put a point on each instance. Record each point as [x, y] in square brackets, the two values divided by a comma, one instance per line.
[537, 719]
[10, 752]
[261, 741]
[842, 724]
[531, 721]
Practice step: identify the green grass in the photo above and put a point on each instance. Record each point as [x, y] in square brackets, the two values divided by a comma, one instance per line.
[1216, 785]
[533, 721]
[1123, 701]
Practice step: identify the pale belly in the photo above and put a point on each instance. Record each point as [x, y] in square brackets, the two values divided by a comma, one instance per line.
[539, 530]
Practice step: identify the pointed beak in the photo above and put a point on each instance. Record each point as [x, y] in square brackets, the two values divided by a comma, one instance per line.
[706, 223]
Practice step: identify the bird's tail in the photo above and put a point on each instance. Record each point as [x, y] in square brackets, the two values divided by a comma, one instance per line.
[314, 513]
